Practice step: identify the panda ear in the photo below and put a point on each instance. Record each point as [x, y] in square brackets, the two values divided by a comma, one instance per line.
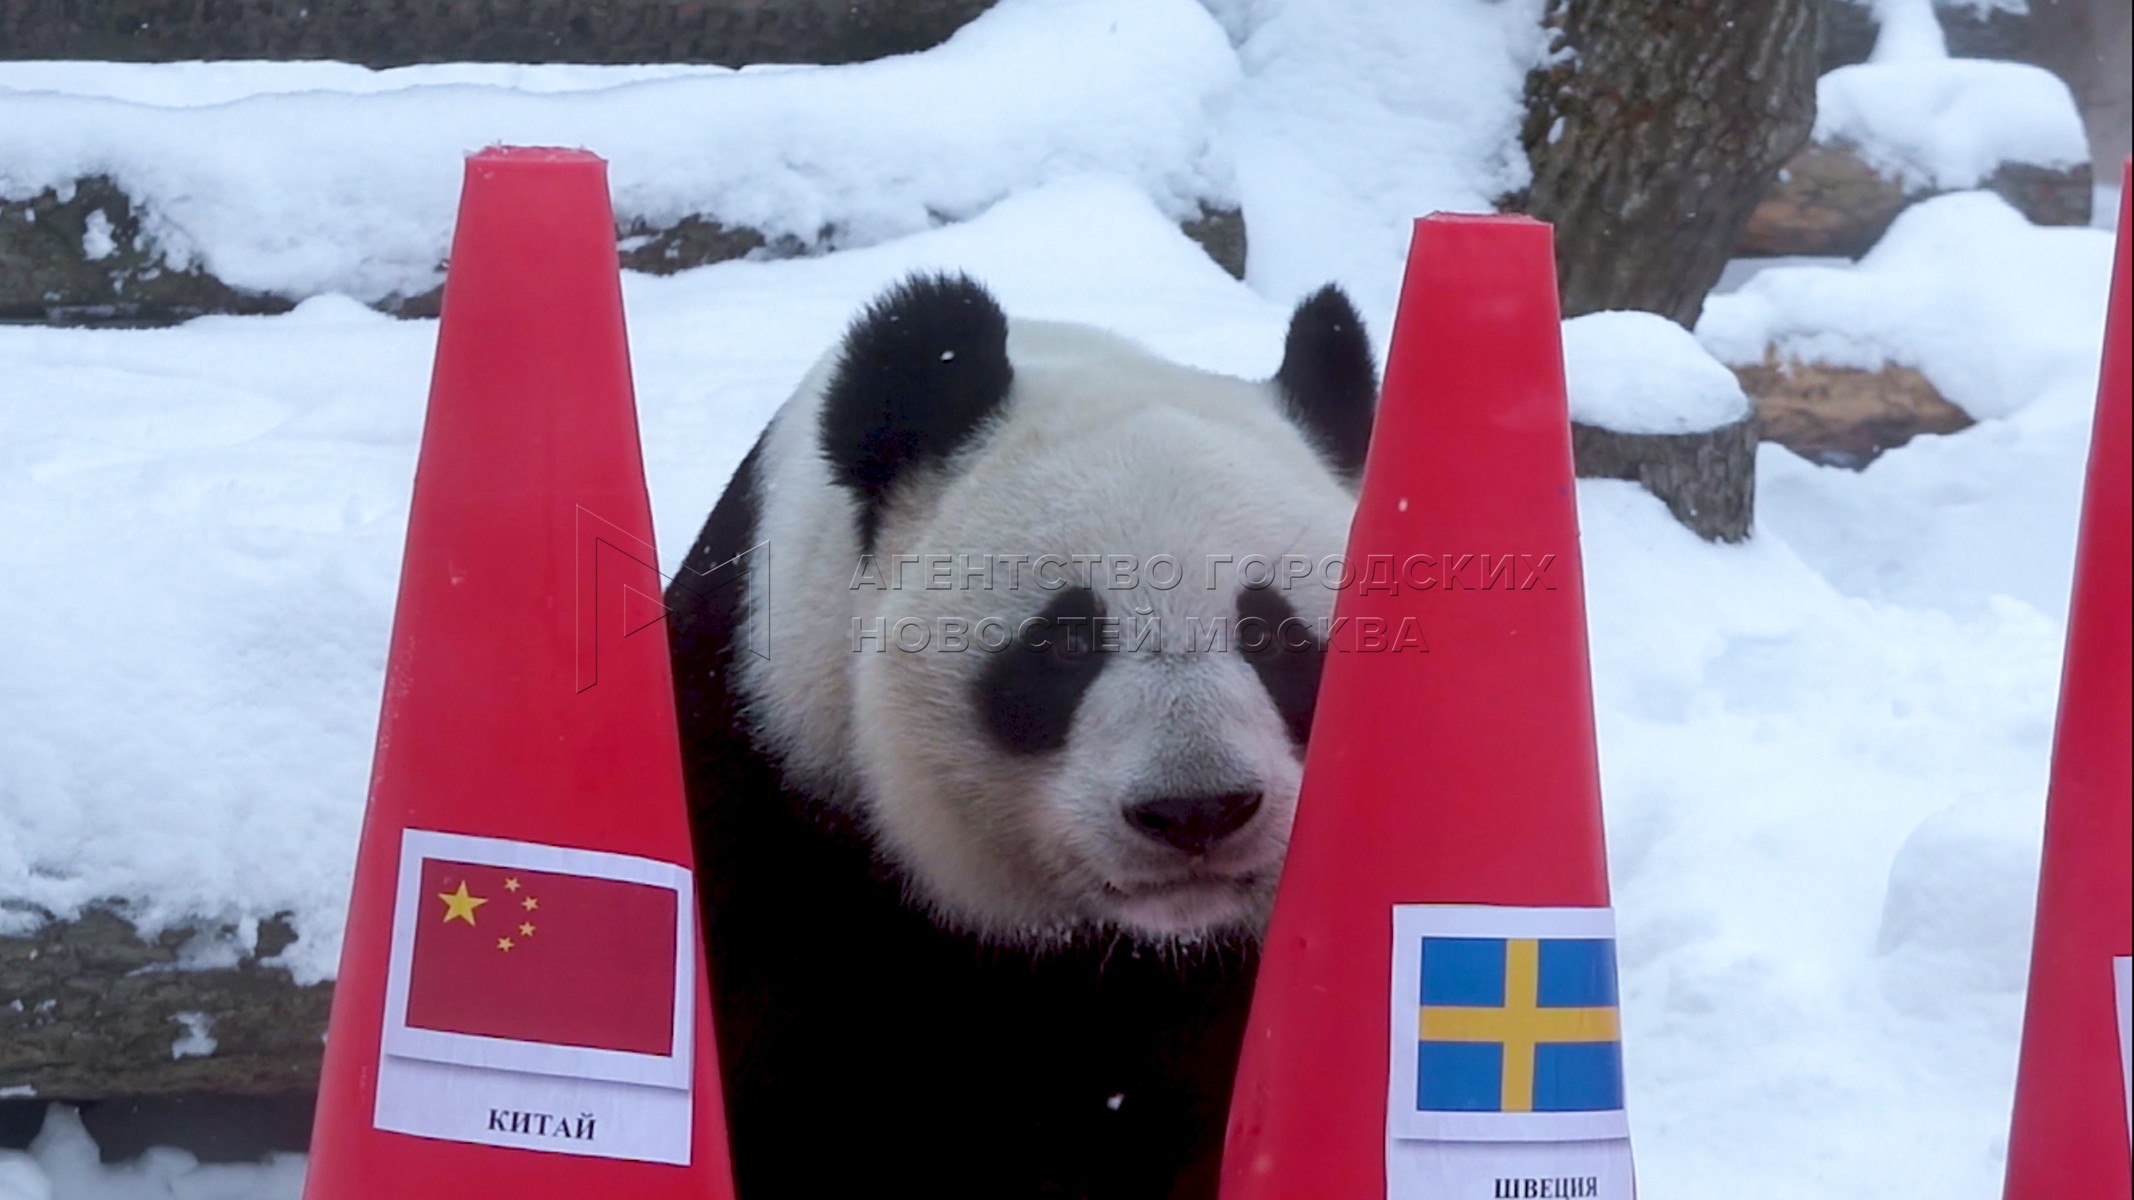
[922, 369]
[1328, 379]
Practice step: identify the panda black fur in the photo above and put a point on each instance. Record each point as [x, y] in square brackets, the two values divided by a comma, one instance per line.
[982, 923]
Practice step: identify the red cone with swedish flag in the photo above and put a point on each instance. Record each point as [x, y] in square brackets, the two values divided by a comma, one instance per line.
[2074, 1096]
[521, 1009]
[1436, 1012]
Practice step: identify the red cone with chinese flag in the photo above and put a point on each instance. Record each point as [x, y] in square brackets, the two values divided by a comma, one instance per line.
[2072, 1122]
[521, 1008]
[1436, 1009]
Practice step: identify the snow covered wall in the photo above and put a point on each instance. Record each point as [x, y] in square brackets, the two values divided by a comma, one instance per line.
[347, 181]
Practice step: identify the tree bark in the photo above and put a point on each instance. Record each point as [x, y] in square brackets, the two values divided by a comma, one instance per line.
[89, 1010]
[1653, 134]
[2090, 45]
[391, 33]
[1653, 131]
[1707, 480]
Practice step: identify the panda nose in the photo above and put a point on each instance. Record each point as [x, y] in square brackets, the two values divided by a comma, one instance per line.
[1194, 823]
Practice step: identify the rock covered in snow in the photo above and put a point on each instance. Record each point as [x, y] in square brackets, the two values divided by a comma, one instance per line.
[1845, 416]
[1889, 134]
[1933, 294]
[1949, 124]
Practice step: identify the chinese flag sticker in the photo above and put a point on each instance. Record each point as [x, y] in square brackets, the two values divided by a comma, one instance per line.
[540, 956]
[539, 997]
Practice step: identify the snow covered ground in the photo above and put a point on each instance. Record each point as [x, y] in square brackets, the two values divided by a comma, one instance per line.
[1824, 751]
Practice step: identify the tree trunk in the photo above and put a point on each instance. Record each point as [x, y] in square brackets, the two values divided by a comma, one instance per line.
[2090, 45]
[1707, 480]
[390, 33]
[1654, 133]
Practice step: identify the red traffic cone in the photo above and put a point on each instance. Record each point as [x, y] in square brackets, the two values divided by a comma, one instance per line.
[1436, 1010]
[521, 1009]
[2072, 1123]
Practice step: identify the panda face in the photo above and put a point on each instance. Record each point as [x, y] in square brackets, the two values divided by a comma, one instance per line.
[1078, 674]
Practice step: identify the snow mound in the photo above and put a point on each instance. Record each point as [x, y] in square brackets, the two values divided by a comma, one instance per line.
[1947, 124]
[1990, 308]
[1907, 30]
[1770, 749]
[316, 191]
[1957, 917]
[1638, 372]
[22, 1179]
[63, 1164]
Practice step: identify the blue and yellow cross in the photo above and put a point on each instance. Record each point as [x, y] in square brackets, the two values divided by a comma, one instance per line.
[1519, 1025]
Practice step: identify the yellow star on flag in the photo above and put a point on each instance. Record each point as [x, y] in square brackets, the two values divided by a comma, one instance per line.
[511, 884]
[526, 929]
[459, 906]
[529, 904]
[503, 943]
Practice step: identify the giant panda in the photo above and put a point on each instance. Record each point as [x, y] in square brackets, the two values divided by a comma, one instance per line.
[981, 917]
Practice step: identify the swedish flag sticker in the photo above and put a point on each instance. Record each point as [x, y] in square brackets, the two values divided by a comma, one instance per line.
[1505, 1025]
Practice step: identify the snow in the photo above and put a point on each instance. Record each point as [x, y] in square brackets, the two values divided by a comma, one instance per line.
[1993, 310]
[1638, 372]
[97, 242]
[1824, 751]
[61, 1164]
[306, 192]
[1946, 124]
[1907, 30]
[196, 1041]
[22, 1179]
[1356, 116]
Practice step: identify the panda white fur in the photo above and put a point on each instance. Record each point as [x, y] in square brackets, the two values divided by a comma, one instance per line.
[981, 908]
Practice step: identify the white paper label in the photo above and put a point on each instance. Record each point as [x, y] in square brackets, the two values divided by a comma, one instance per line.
[540, 998]
[1506, 1075]
[1417, 1170]
[2123, 985]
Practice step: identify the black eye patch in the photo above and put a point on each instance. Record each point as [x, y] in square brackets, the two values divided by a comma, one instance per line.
[1285, 655]
[1028, 693]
